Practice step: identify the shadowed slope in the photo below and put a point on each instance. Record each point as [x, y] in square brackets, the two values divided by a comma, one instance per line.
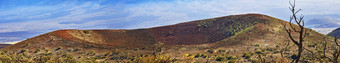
[335, 32]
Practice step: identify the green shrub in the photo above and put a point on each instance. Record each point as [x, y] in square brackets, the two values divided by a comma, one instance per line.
[70, 60]
[294, 56]
[88, 61]
[258, 51]
[247, 55]
[91, 53]
[220, 58]
[23, 50]
[99, 57]
[115, 52]
[47, 50]
[231, 57]
[155, 59]
[256, 45]
[204, 55]
[26, 45]
[38, 50]
[107, 53]
[136, 49]
[210, 51]
[221, 50]
[67, 56]
[86, 32]
[75, 50]
[269, 49]
[197, 55]
[169, 33]
[58, 48]
[232, 61]
[69, 50]
[312, 45]
[45, 58]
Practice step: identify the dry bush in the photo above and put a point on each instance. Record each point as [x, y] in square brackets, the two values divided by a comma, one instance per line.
[283, 60]
[155, 59]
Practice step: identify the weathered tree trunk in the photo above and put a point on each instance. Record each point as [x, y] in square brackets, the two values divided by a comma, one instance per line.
[300, 50]
[300, 30]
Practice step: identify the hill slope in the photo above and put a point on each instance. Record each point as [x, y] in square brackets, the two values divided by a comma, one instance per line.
[235, 33]
[189, 33]
[335, 32]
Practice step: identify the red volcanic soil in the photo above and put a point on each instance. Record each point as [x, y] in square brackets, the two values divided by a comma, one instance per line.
[64, 34]
[205, 31]
[189, 33]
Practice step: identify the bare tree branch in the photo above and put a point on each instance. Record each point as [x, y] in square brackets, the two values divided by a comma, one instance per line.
[302, 32]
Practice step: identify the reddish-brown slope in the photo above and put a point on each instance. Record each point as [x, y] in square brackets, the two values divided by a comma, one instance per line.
[189, 33]
[215, 29]
[138, 37]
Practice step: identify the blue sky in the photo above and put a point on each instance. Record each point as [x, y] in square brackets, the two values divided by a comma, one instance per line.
[22, 19]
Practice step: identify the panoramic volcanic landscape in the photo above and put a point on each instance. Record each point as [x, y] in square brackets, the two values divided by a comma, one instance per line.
[205, 40]
[199, 31]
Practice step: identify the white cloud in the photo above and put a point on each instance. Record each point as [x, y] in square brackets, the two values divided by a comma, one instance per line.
[14, 42]
[9, 38]
[166, 13]
[160, 13]
[77, 14]
[324, 30]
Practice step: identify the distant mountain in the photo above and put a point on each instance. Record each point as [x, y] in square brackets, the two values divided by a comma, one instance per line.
[323, 21]
[4, 45]
[335, 32]
[323, 25]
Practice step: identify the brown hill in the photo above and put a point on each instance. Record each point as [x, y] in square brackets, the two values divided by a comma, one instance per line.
[237, 33]
[189, 33]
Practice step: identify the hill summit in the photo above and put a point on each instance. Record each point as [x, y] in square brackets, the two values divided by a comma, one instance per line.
[188, 33]
[234, 34]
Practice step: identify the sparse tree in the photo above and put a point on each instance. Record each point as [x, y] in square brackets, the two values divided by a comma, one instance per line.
[324, 48]
[336, 48]
[300, 30]
[159, 46]
[283, 50]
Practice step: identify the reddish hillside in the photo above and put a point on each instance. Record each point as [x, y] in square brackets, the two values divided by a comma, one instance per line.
[198, 32]
[233, 35]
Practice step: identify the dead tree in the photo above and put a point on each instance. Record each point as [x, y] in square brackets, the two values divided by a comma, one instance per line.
[300, 30]
[284, 49]
[336, 51]
[159, 48]
[325, 48]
